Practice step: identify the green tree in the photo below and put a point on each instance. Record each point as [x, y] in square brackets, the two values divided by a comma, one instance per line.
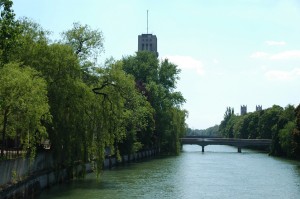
[239, 126]
[24, 106]
[296, 134]
[268, 120]
[144, 68]
[284, 124]
[32, 43]
[86, 43]
[273, 123]
[125, 112]
[225, 129]
[253, 125]
[157, 81]
[8, 31]
[68, 99]
[286, 138]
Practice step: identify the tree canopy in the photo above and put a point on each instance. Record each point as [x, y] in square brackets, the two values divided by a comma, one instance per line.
[57, 91]
[24, 106]
[276, 123]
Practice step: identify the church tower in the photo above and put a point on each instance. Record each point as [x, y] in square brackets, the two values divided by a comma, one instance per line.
[243, 110]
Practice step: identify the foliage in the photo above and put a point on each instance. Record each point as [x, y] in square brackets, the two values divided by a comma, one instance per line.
[226, 125]
[286, 138]
[24, 106]
[157, 82]
[56, 91]
[125, 113]
[296, 134]
[86, 43]
[8, 31]
[210, 132]
[274, 123]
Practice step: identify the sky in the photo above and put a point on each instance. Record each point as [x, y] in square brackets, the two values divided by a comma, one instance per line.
[231, 53]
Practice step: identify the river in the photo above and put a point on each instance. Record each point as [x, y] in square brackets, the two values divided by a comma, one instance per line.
[219, 172]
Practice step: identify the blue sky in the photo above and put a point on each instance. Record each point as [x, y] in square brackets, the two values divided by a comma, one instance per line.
[231, 53]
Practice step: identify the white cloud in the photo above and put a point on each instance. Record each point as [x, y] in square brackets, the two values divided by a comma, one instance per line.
[275, 43]
[187, 62]
[259, 55]
[283, 75]
[286, 55]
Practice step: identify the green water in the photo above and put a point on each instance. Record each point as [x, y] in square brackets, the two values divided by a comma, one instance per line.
[220, 172]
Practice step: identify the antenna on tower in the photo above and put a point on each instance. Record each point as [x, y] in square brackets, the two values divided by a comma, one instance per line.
[147, 21]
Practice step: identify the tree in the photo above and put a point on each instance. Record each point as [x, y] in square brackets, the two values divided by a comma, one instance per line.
[125, 113]
[282, 132]
[296, 134]
[225, 129]
[286, 138]
[174, 130]
[24, 106]
[253, 124]
[157, 82]
[143, 66]
[239, 127]
[69, 98]
[86, 43]
[32, 43]
[168, 74]
[268, 120]
[8, 31]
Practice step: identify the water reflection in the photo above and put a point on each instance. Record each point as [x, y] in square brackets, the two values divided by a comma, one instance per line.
[219, 172]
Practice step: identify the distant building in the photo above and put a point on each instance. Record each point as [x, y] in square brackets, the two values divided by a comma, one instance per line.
[148, 42]
[243, 110]
[258, 108]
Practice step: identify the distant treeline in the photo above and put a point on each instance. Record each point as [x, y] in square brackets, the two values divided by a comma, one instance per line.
[56, 92]
[211, 131]
[282, 125]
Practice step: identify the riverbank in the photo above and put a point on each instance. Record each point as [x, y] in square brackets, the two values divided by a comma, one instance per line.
[27, 179]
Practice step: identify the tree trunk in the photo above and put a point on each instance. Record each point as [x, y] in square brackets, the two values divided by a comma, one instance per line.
[4, 131]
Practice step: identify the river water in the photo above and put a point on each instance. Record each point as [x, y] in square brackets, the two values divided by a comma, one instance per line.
[219, 172]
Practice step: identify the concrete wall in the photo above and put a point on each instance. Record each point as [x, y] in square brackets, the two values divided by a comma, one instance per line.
[20, 168]
[22, 178]
[33, 185]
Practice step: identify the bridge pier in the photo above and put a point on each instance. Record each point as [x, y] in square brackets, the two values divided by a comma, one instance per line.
[202, 149]
[239, 149]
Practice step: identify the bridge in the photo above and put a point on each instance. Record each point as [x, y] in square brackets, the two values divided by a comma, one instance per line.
[239, 143]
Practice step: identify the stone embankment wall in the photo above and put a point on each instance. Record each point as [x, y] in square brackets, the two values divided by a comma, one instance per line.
[25, 178]
[20, 168]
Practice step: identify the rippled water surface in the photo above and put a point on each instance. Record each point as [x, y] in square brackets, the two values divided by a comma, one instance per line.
[219, 172]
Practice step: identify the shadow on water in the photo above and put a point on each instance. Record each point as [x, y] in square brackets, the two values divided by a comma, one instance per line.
[219, 149]
[117, 177]
[90, 184]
